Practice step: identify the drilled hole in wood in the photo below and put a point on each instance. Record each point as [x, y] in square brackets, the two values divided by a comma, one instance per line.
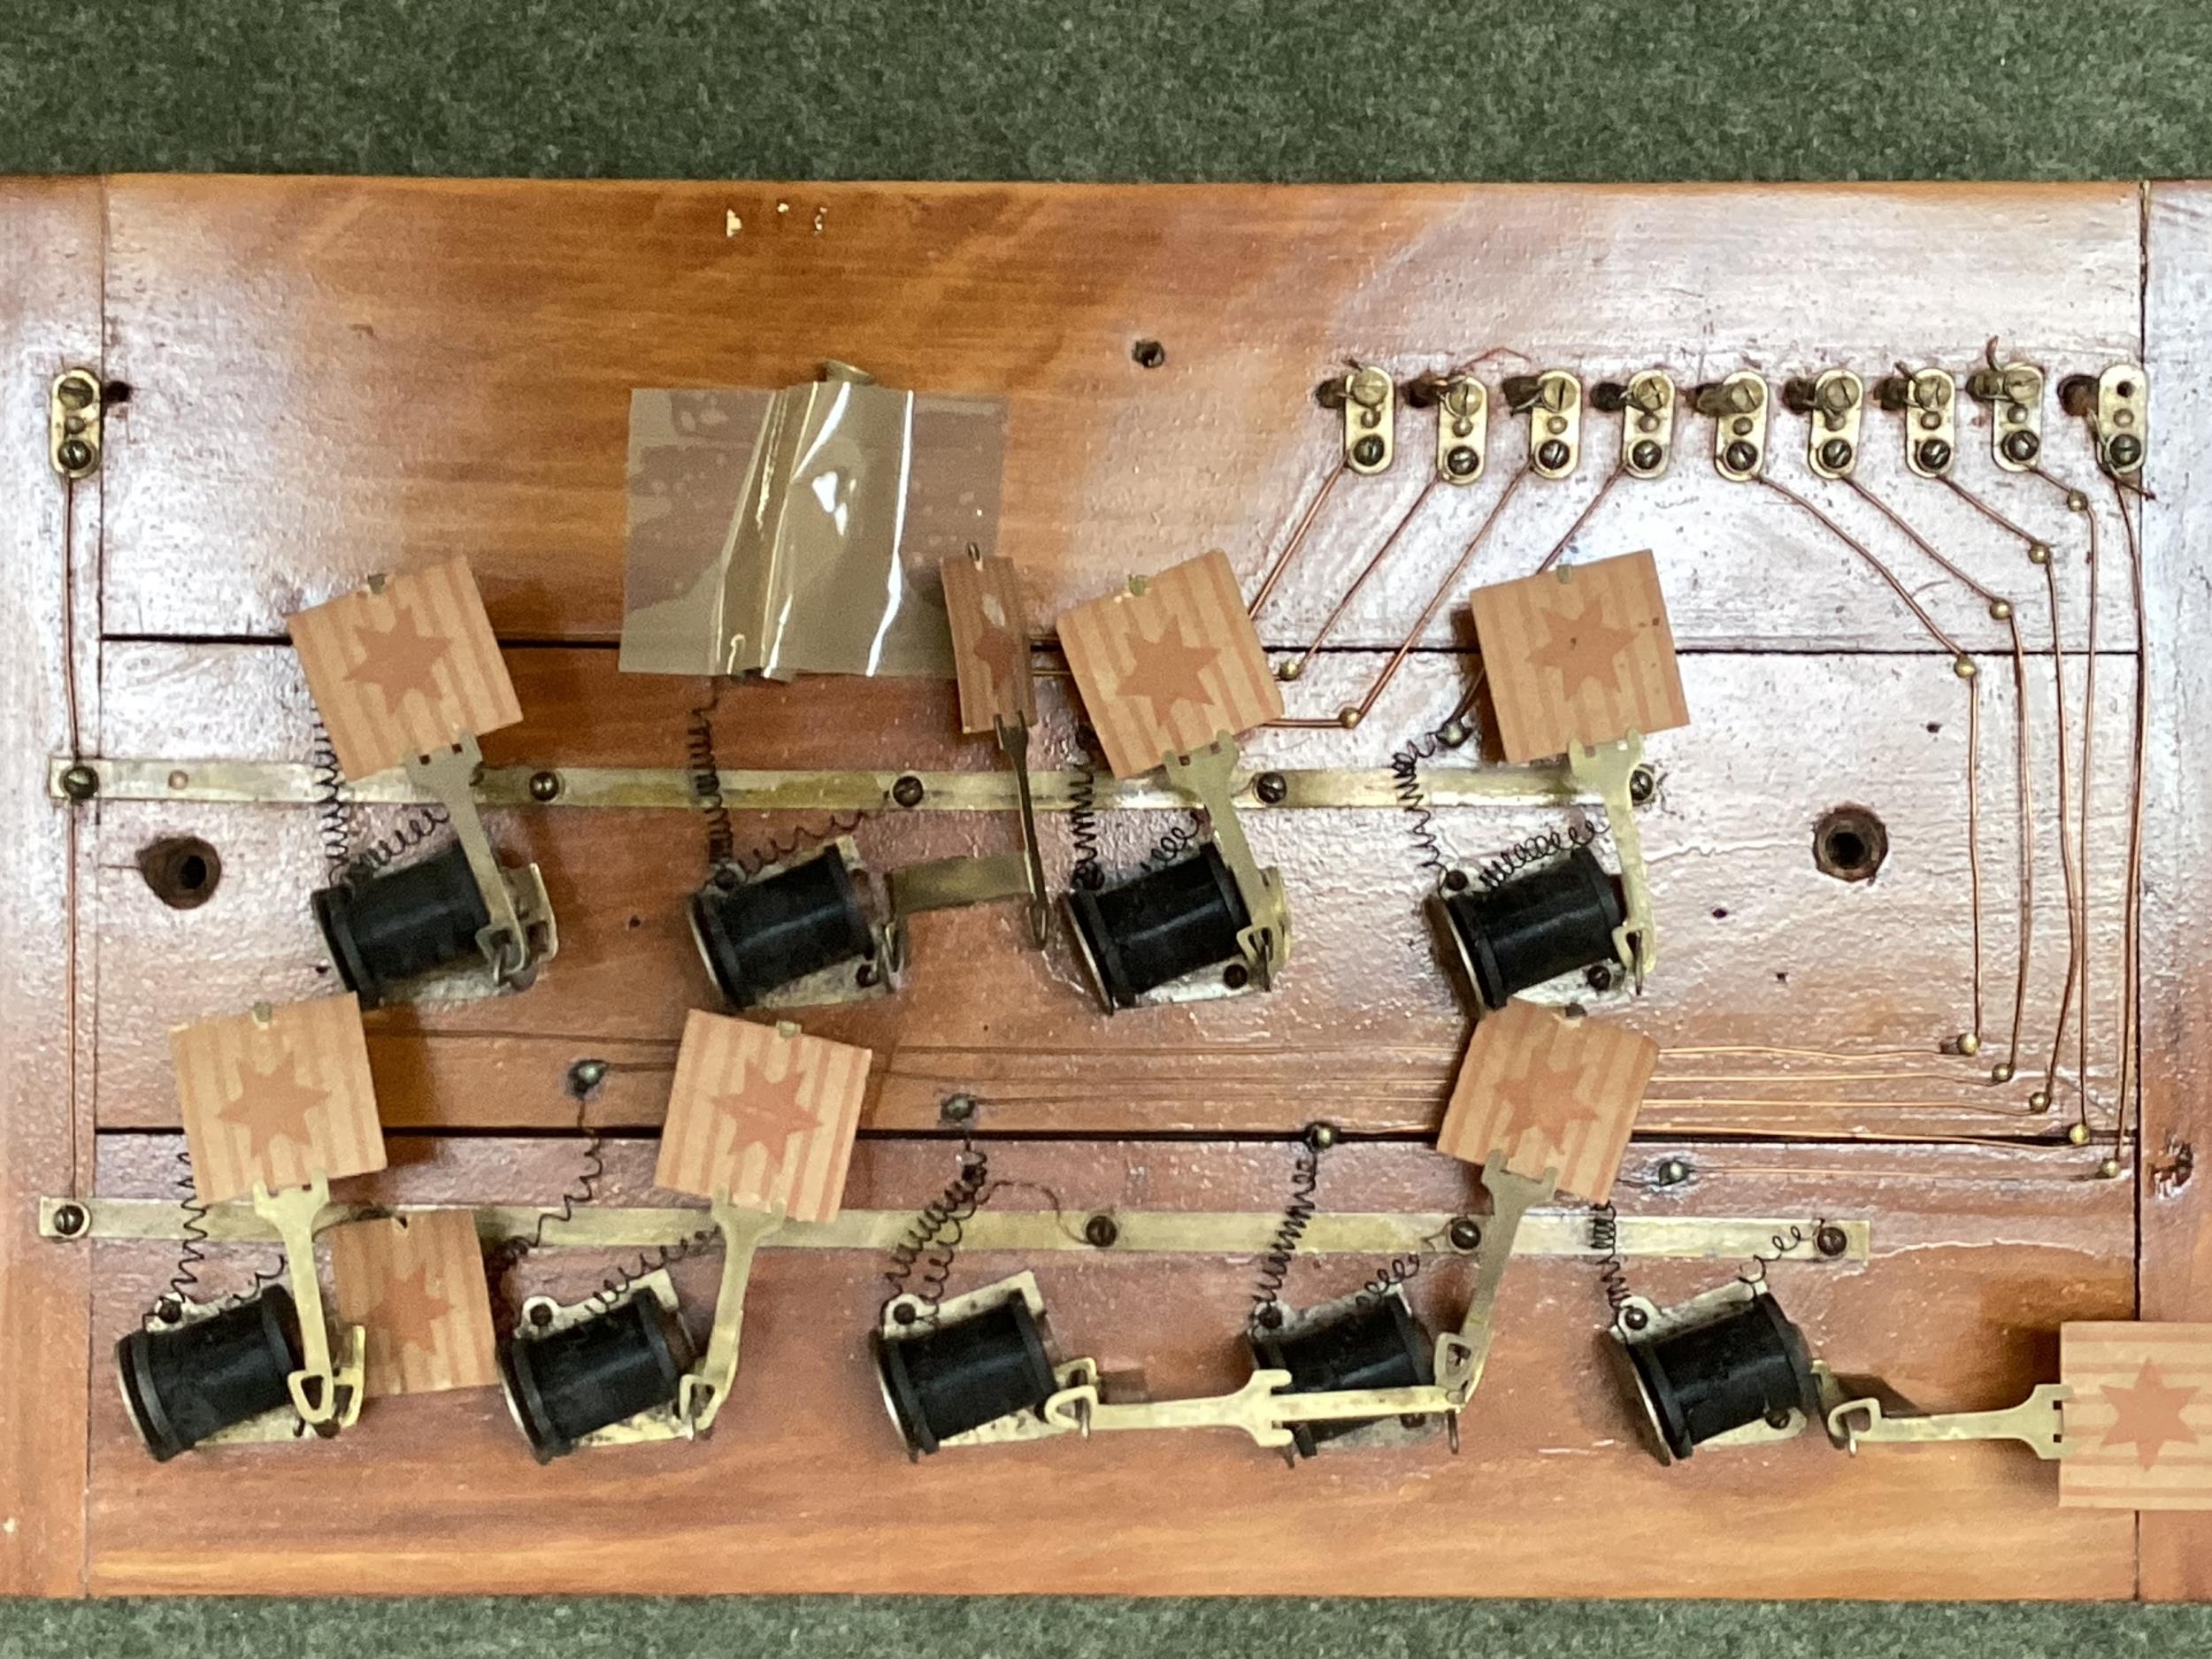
[182, 870]
[1147, 354]
[1850, 843]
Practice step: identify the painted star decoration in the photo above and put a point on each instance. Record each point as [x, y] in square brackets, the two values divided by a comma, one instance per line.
[2148, 1416]
[399, 659]
[1169, 671]
[1583, 649]
[999, 651]
[765, 1113]
[271, 1104]
[409, 1308]
[1547, 1098]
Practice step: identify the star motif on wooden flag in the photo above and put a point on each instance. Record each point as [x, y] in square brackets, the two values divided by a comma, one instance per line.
[271, 1104]
[1546, 1098]
[997, 648]
[1167, 671]
[2148, 1416]
[765, 1113]
[1582, 651]
[399, 659]
[409, 1309]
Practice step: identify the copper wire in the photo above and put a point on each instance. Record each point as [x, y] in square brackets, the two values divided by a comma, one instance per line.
[1344, 600]
[1581, 518]
[2130, 1003]
[1297, 536]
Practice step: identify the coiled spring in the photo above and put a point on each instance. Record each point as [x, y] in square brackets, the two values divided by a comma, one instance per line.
[1538, 848]
[933, 1239]
[1605, 1239]
[335, 816]
[614, 1286]
[1298, 1213]
[1780, 1244]
[1405, 773]
[1397, 1270]
[1089, 871]
[1179, 839]
[501, 1263]
[185, 1283]
[704, 773]
[779, 848]
[418, 827]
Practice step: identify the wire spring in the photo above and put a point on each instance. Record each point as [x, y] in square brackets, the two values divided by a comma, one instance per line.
[1605, 1239]
[1089, 871]
[334, 815]
[933, 1239]
[1780, 1244]
[704, 773]
[1298, 1213]
[1405, 771]
[190, 1254]
[1179, 839]
[1538, 848]
[502, 1262]
[779, 848]
[1389, 1276]
[417, 828]
[614, 1286]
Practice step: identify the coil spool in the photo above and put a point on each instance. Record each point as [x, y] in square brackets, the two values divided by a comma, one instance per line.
[766, 933]
[1556, 920]
[1377, 1344]
[1160, 926]
[1744, 1366]
[607, 1369]
[192, 1381]
[393, 926]
[944, 1382]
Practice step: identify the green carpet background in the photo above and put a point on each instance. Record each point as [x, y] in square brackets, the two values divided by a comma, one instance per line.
[1241, 89]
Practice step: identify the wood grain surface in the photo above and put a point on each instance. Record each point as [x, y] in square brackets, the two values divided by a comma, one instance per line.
[1549, 1093]
[277, 1098]
[763, 1113]
[416, 1285]
[330, 378]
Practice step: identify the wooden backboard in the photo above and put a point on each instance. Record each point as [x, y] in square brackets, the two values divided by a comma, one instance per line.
[1801, 1020]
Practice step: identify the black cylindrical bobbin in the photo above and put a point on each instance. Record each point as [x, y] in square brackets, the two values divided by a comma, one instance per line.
[1553, 920]
[959, 1377]
[1378, 1345]
[563, 1386]
[1161, 925]
[390, 927]
[1746, 1366]
[761, 934]
[185, 1384]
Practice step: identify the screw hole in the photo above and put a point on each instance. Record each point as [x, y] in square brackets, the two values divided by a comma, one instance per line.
[183, 870]
[1147, 354]
[1850, 843]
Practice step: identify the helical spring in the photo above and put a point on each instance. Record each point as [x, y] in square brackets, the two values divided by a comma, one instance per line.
[612, 1286]
[1780, 1244]
[1536, 849]
[777, 848]
[501, 1262]
[191, 1256]
[1298, 1213]
[1179, 839]
[1405, 773]
[335, 817]
[418, 827]
[1089, 871]
[1396, 1271]
[1605, 1239]
[703, 772]
[931, 1242]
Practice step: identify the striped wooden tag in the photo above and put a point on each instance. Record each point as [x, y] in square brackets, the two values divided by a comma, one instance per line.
[765, 1111]
[1167, 671]
[277, 1096]
[2139, 1427]
[405, 671]
[990, 642]
[1582, 654]
[1551, 1093]
[416, 1285]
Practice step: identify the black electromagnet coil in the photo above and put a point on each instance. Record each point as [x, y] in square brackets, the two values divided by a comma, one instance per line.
[389, 928]
[185, 1384]
[567, 1383]
[959, 1377]
[1161, 925]
[1553, 920]
[761, 934]
[1379, 1344]
[1748, 1365]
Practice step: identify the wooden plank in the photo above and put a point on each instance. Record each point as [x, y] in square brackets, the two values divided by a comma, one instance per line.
[2176, 1045]
[804, 1486]
[486, 337]
[1762, 952]
[50, 320]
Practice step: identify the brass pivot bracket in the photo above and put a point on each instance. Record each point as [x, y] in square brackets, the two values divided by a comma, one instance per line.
[1608, 771]
[1737, 407]
[1646, 405]
[520, 937]
[2013, 393]
[2118, 407]
[75, 420]
[1463, 422]
[1261, 1408]
[1207, 778]
[2037, 1422]
[700, 1393]
[1834, 402]
[1552, 403]
[1928, 400]
[1460, 1355]
[947, 884]
[326, 1394]
[1369, 401]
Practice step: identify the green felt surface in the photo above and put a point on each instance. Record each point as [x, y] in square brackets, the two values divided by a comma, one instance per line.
[1264, 89]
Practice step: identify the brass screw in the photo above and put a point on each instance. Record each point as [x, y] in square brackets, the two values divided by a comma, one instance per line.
[75, 454]
[1551, 455]
[80, 782]
[1741, 456]
[908, 791]
[1465, 1234]
[1461, 461]
[70, 1220]
[1643, 783]
[585, 1076]
[2125, 452]
[1321, 1136]
[1368, 451]
[1100, 1231]
[2020, 447]
[1674, 1172]
[957, 1109]
[1935, 455]
[1832, 1240]
[540, 1314]
[1645, 455]
[1271, 788]
[545, 786]
[1835, 454]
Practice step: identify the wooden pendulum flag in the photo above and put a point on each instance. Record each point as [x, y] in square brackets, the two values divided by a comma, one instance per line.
[766, 1111]
[1578, 655]
[1170, 665]
[405, 666]
[277, 1097]
[2138, 1423]
[415, 1283]
[1549, 1093]
[990, 642]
